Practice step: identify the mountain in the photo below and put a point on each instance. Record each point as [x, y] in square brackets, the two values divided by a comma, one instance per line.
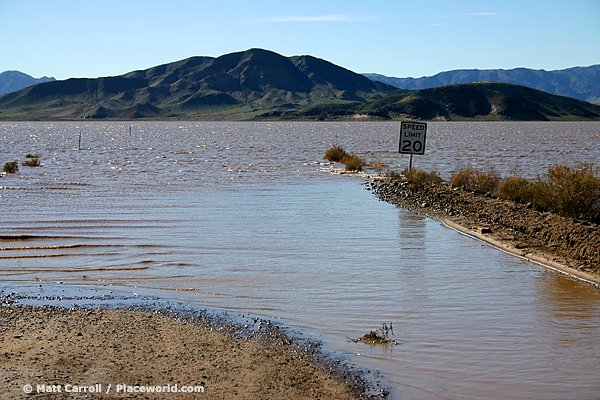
[486, 101]
[11, 81]
[233, 86]
[260, 84]
[581, 83]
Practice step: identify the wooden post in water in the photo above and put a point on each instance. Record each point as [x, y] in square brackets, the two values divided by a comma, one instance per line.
[79, 148]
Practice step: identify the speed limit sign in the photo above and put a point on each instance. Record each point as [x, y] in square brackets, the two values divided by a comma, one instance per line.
[412, 137]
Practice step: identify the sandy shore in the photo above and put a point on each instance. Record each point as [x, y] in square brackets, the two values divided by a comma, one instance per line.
[78, 353]
[563, 244]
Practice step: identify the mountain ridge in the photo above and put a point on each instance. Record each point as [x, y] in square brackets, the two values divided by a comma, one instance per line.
[485, 101]
[259, 84]
[581, 83]
[11, 81]
[244, 83]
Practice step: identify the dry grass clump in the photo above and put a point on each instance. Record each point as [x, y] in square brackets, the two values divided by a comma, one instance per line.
[484, 180]
[395, 175]
[336, 154]
[11, 167]
[379, 166]
[352, 161]
[572, 192]
[420, 177]
[378, 336]
[415, 176]
[516, 189]
[32, 161]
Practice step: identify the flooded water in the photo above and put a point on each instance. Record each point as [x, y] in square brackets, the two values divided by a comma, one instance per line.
[242, 216]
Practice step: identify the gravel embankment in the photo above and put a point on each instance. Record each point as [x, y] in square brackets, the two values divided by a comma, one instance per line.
[568, 245]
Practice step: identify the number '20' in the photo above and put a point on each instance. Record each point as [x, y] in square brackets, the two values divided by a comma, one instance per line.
[416, 145]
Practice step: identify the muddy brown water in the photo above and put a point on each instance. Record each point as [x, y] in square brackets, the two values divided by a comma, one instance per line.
[243, 217]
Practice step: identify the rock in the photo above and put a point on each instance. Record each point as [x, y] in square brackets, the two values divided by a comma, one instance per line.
[481, 229]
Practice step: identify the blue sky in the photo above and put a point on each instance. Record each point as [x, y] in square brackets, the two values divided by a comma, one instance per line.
[89, 38]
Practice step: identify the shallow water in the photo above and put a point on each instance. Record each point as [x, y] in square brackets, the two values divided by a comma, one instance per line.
[241, 216]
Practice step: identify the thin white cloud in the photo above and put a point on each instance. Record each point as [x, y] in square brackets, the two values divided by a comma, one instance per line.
[315, 18]
[484, 14]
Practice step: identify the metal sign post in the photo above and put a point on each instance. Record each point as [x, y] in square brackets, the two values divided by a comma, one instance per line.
[412, 139]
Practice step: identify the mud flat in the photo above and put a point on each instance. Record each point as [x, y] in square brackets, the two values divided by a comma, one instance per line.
[569, 246]
[88, 353]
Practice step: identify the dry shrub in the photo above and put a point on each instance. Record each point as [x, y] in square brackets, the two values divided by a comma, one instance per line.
[379, 166]
[517, 189]
[571, 191]
[336, 154]
[32, 162]
[395, 175]
[11, 167]
[487, 180]
[353, 162]
[420, 177]
[484, 180]
[464, 177]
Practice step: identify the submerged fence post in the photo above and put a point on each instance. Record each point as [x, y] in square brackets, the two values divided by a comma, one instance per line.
[79, 148]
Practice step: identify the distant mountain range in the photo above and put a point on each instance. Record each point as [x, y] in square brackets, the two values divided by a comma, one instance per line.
[581, 83]
[11, 81]
[484, 101]
[259, 84]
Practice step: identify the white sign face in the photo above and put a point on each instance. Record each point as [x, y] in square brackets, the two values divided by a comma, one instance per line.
[412, 137]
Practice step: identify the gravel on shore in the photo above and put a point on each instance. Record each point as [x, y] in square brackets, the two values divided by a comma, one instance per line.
[89, 353]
